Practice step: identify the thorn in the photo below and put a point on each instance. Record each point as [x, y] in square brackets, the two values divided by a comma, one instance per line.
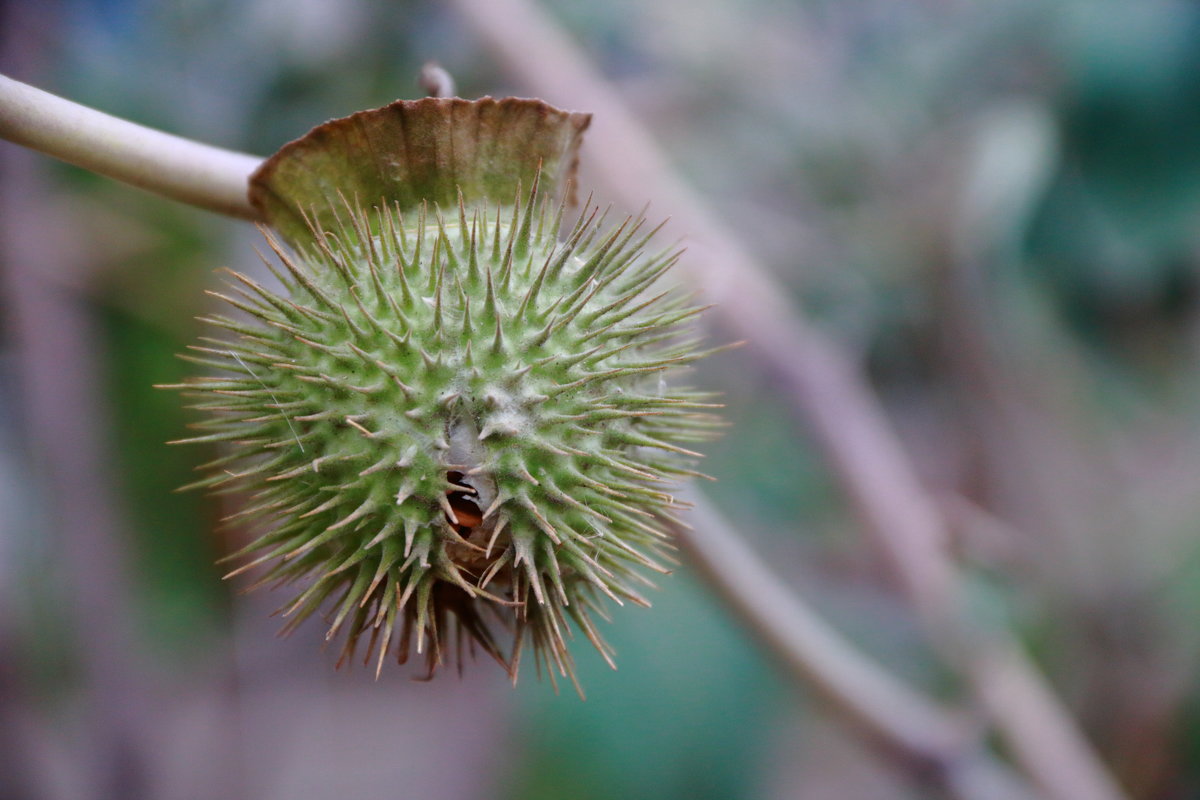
[522, 237]
[500, 525]
[351, 422]
[409, 456]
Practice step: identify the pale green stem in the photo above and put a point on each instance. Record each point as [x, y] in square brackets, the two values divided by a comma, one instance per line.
[193, 173]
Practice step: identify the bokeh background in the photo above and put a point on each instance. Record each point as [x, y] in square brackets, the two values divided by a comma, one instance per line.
[993, 207]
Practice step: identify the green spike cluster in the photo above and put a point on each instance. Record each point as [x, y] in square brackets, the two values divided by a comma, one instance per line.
[459, 421]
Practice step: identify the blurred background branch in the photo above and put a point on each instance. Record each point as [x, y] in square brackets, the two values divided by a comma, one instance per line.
[57, 366]
[939, 749]
[824, 390]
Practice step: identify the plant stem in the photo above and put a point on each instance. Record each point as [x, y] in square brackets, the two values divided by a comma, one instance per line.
[935, 744]
[176, 168]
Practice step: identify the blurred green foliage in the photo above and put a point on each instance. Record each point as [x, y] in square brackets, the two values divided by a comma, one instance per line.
[688, 712]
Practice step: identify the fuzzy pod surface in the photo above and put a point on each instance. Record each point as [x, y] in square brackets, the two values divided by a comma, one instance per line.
[457, 419]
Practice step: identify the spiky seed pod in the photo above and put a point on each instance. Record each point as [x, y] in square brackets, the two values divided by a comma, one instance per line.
[453, 415]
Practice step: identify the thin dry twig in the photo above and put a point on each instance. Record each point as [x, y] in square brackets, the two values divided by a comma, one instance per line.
[825, 390]
[435, 80]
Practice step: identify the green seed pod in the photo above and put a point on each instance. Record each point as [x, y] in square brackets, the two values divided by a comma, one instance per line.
[459, 410]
